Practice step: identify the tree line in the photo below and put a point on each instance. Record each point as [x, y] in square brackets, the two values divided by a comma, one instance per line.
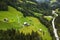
[12, 34]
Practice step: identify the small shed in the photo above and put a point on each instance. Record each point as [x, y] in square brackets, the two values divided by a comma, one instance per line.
[26, 24]
[5, 19]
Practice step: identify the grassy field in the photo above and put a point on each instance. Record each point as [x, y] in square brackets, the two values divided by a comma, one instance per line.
[12, 16]
[16, 21]
[35, 25]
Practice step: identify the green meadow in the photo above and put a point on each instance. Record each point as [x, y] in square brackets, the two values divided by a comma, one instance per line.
[16, 21]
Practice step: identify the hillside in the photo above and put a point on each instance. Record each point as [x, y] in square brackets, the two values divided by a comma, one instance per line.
[13, 18]
[28, 16]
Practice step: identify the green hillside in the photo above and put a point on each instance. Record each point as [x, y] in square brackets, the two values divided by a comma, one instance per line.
[25, 19]
[16, 21]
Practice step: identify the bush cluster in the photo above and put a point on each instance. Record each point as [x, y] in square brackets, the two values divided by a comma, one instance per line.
[3, 5]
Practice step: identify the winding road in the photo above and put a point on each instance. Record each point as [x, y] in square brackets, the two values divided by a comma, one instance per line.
[54, 29]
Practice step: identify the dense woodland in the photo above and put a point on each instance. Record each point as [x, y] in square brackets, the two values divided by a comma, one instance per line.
[16, 35]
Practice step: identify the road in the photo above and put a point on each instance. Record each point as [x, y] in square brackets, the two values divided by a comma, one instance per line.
[54, 29]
